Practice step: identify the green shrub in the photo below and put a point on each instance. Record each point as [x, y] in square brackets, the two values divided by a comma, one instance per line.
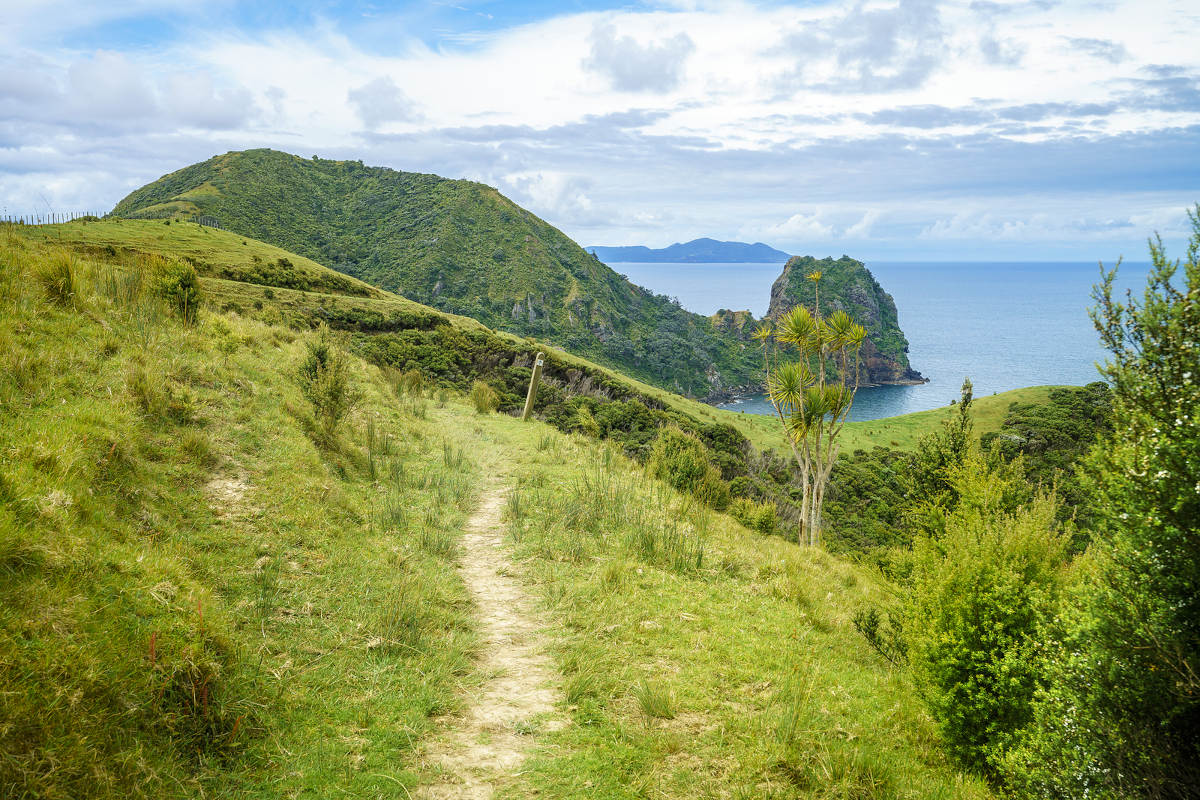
[682, 460]
[325, 381]
[179, 284]
[587, 423]
[981, 595]
[484, 398]
[761, 517]
[713, 491]
[1120, 716]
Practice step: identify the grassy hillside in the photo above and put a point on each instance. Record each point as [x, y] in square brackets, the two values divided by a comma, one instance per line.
[458, 246]
[203, 594]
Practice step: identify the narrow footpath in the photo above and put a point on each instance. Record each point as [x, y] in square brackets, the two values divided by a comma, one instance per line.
[491, 739]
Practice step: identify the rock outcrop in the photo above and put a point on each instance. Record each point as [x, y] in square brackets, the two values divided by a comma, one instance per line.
[846, 284]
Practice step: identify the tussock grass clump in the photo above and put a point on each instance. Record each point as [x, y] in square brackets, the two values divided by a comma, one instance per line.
[484, 398]
[682, 461]
[655, 700]
[58, 275]
[179, 285]
[761, 517]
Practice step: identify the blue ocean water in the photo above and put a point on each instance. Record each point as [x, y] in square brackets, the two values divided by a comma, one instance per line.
[1005, 325]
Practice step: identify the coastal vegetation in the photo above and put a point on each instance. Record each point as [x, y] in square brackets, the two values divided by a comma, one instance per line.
[235, 486]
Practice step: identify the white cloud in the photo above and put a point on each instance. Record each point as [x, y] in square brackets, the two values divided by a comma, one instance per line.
[800, 227]
[611, 123]
[109, 86]
[382, 101]
[634, 67]
[862, 228]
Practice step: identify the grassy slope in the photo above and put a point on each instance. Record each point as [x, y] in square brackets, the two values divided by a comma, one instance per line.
[456, 245]
[193, 595]
[698, 659]
[221, 252]
[197, 598]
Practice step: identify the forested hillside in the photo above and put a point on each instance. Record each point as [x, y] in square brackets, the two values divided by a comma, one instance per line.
[458, 246]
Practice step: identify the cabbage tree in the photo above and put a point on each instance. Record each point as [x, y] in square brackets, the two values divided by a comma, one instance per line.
[812, 366]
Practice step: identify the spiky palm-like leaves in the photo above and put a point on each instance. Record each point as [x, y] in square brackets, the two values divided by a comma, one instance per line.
[812, 392]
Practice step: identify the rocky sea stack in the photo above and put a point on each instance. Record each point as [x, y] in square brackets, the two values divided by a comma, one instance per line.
[848, 285]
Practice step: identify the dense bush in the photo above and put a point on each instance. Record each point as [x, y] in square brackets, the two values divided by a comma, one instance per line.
[981, 593]
[1121, 714]
[681, 460]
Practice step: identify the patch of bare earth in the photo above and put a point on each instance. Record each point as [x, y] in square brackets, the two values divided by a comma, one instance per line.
[488, 743]
[226, 494]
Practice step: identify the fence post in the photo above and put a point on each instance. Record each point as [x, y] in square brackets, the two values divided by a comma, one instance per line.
[533, 384]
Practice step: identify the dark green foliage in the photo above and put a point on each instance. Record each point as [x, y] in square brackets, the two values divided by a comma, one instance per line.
[459, 246]
[1121, 716]
[981, 593]
[180, 287]
[926, 478]
[325, 381]
[866, 501]
[885, 636]
[1051, 438]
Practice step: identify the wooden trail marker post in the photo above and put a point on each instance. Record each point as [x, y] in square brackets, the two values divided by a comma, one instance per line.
[533, 384]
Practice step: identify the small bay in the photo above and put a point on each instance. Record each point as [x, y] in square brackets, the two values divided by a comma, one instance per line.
[1005, 325]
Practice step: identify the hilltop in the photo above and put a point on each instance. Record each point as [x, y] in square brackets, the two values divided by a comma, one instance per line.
[455, 245]
[697, 251]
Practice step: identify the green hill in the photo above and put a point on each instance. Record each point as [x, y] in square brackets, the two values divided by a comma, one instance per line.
[457, 246]
[204, 594]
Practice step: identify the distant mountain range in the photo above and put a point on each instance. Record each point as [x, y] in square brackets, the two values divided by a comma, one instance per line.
[697, 251]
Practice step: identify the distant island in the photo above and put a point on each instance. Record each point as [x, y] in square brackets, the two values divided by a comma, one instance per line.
[697, 251]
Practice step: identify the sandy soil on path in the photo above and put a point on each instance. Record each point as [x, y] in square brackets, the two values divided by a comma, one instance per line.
[490, 740]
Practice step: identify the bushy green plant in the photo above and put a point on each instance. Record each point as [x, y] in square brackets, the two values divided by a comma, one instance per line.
[981, 592]
[179, 284]
[761, 517]
[324, 378]
[682, 461]
[926, 477]
[1121, 714]
[484, 398]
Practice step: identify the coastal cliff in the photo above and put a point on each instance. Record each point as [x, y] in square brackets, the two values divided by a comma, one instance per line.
[846, 284]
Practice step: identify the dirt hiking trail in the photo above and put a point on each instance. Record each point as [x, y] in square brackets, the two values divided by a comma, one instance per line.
[488, 743]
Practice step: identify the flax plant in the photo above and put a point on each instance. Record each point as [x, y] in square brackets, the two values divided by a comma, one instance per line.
[812, 366]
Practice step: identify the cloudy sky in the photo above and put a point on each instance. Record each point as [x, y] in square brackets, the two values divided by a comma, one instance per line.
[901, 129]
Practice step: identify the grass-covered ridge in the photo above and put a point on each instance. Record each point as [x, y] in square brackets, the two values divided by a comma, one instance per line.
[204, 593]
[459, 246]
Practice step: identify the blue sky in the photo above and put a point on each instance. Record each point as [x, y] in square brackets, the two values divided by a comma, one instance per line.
[897, 129]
